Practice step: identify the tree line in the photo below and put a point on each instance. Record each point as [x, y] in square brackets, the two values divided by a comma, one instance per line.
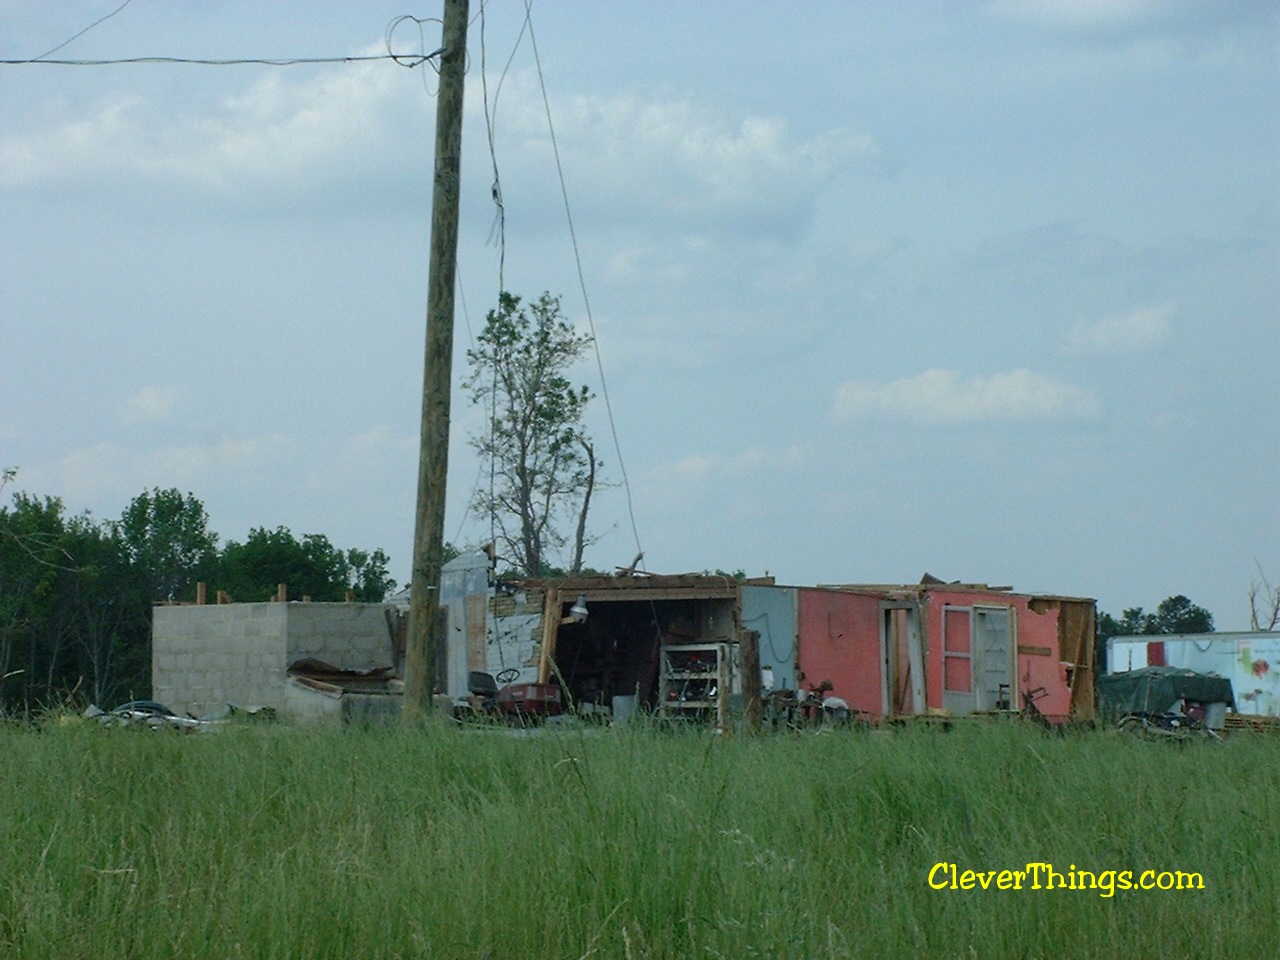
[1173, 615]
[76, 592]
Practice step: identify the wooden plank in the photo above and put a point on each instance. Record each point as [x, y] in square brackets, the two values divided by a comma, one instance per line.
[1031, 651]
[915, 659]
[550, 631]
[644, 594]
[752, 703]
[476, 633]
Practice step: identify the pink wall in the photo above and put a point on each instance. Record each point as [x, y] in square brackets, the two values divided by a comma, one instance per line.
[840, 641]
[1036, 634]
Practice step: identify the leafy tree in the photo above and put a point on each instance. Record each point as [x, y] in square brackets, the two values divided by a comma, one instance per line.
[74, 611]
[32, 555]
[166, 534]
[1173, 615]
[1180, 615]
[370, 581]
[76, 593]
[542, 463]
[312, 567]
[109, 599]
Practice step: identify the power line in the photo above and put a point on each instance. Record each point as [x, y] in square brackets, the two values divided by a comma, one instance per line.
[582, 283]
[498, 232]
[400, 58]
[85, 30]
[404, 60]
[500, 214]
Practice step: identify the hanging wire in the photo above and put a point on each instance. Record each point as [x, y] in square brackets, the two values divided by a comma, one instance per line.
[84, 31]
[419, 22]
[403, 59]
[582, 283]
[475, 486]
[498, 231]
[229, 62]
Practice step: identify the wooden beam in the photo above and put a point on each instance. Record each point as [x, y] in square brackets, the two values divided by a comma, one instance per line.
[550, 631]
[752, 701]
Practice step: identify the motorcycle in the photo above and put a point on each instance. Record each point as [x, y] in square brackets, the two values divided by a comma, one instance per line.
[1171, 724]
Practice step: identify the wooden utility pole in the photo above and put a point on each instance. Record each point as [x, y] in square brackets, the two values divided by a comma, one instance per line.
[433, 457]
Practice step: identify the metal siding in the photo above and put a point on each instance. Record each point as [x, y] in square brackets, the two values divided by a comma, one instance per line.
[461, 579]
[771, 612]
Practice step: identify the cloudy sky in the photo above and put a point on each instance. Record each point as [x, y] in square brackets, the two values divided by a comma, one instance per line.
[988, 290]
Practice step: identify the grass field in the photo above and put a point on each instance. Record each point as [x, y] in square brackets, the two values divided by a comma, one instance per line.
[283, 842]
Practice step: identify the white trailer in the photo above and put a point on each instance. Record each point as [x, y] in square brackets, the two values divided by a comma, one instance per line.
[1250, 660]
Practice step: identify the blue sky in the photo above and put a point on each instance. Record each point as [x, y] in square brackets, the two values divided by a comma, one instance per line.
[988, 290]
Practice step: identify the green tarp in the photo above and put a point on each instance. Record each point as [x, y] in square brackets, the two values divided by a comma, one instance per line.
[1157, 689]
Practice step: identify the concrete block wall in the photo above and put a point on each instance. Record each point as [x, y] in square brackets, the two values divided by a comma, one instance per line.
[205, 656]
[353, 636]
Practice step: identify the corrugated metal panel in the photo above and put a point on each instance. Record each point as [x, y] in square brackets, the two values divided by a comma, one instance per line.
[462, 579]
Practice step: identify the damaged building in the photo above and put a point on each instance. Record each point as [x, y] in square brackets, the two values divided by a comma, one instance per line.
[706, 647]
[695, 647]
[302, 660]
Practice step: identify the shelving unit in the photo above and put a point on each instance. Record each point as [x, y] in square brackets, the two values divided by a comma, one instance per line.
[695, 681]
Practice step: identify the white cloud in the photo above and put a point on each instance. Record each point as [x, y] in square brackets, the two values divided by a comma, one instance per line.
[1133, 332]
[944, 396]
[695, 168]
[682, 162]
[111, 470]
[1079, 13]
[355, 461]
[280, 131]
[699, 468]
[1134, 18]
[69, 149]
[151, 404]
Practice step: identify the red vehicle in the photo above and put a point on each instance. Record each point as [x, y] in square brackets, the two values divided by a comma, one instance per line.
[514, 702]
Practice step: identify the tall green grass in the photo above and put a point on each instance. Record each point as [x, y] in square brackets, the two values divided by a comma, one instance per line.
[293, 843]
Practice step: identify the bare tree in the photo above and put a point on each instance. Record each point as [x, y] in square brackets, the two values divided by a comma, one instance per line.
[1264, 603]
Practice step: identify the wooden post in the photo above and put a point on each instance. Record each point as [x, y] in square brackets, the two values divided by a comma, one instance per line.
[551, 608]
[202, 593]
[433, 452]
[282, 592]
[752, 705]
